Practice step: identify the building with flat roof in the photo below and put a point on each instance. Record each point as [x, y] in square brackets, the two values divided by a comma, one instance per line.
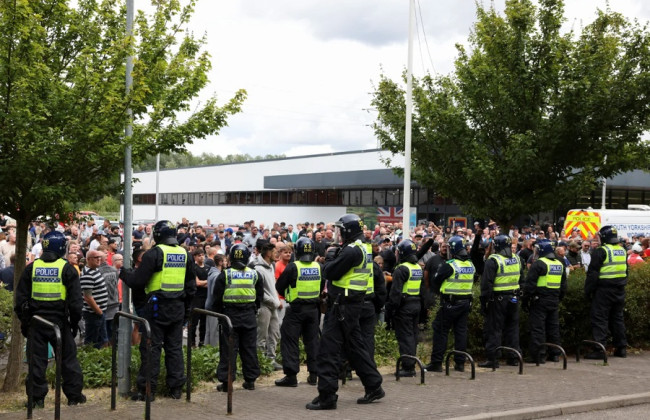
[320, 188]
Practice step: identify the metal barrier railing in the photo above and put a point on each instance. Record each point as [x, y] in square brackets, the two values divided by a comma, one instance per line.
[57, 359]
[147, 331]
[593, 343]
[469, 357]
[418, 361]
[555, 346]
[231, 353]
[511, 350]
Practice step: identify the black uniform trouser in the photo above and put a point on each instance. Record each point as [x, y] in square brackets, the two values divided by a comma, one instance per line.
[450, 315]
[166, 325]
[607, 311]
[367, 323]
[337, 335]
[70, 369]
[244, 334]
[543, 319]
[299, 319]
[198, 320]
[406, 329]
[501, 325]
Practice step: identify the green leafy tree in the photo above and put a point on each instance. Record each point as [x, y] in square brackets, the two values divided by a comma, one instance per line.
[63, 104]
[525, 121]
[184, 160]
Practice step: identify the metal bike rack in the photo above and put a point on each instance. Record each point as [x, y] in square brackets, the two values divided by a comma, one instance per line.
[57, 359]
[418, 361]
[471, 361]
[594, 343]
[147, 331]
[555, 346]
[511, 350]
[231, 353]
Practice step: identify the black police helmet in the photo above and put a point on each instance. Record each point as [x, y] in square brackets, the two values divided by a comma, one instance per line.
[55, 242]
[545, 248]
[608, 235]
[350, 226]
[407, 250]
[305, 249]
[239, 255]
[502, 242]
[164, 232]
[456, 245]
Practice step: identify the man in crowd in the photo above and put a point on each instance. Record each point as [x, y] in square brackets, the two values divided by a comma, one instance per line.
[95, 295]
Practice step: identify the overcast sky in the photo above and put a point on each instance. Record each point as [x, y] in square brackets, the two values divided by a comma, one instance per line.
[309, 65]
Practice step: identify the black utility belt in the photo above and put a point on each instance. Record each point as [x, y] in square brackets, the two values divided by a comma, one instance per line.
[348, 299]
[410, 297]
[507, 293]
[456, 298]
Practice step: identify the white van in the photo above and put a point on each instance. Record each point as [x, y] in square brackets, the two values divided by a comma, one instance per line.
[632, 222]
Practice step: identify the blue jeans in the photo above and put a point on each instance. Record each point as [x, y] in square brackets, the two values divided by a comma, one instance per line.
[95, 329]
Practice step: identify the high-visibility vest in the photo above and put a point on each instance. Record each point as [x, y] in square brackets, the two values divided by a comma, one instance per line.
[615, 263]
[553, 277]
[371, 279]
[508, 271]
[357, 277]
[459, 283]
[307, 282]
[240, 286]
[47, 280]
[172, 276]
[412, 285]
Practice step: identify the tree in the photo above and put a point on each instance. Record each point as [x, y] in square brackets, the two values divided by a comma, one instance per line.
[62, 94]
[184, 160]
[529, 114]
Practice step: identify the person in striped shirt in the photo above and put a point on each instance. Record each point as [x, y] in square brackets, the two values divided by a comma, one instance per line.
[95, 295]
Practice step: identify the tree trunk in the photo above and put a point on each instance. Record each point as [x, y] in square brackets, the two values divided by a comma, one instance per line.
[14, 364]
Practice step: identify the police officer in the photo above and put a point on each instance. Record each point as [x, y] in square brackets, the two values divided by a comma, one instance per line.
[404, 303]
[544, 288]
[347, 271]
[300, 283]
[499, 300]
[605, 287]
[453, 281]
[168, 280]
[238, 293]
[49, 287]
[373, 301]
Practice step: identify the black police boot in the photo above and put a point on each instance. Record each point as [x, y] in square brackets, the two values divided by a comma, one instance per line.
[249, 385]
[142, 396]
[595, 355]
[434, 367]
[36, 403]
[406, 373]
[176, 393]
[371, 396]
[553, 358]
[532, 359]
[288, 380]
[312, 379]
[323, 402]
[81, 399]
[489, 364]
[459, 367]
[512, 362]
[222, 387]
[620, 352]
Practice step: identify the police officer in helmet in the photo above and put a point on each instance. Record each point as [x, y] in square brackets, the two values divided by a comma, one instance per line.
[347, 272]
[300, 283]
[453, 280]
[543, 289]
[404, 303]
[238, 293]
[502, 273]
[605, 287]
[166, 274]
[49, 287]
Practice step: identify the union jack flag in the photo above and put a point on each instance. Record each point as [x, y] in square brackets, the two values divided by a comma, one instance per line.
[389, 214]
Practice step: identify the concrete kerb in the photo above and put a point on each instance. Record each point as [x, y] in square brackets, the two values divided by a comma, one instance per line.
[552, 410]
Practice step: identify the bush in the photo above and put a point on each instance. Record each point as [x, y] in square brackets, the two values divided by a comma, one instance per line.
[6, 310]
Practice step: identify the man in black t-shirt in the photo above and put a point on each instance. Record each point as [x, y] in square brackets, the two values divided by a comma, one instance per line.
[201, 272]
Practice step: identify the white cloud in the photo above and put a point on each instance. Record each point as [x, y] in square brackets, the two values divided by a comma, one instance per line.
[308, 65]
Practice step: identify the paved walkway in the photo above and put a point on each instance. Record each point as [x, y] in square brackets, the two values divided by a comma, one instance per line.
[541, 391]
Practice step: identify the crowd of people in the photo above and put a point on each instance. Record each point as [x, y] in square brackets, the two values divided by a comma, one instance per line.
[328, 283]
